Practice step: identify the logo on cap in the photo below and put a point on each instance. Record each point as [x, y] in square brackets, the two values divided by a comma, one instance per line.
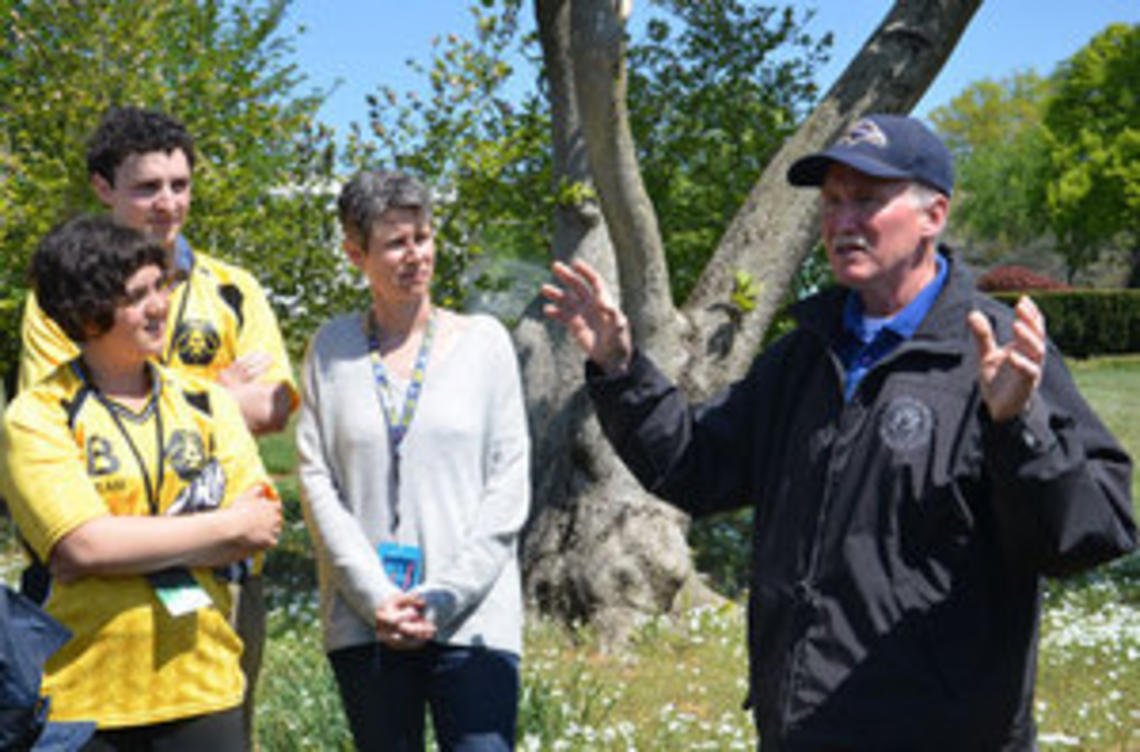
[864, 132]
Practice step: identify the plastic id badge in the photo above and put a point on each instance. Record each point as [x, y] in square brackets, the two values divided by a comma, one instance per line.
[178, 591]
[402, 564]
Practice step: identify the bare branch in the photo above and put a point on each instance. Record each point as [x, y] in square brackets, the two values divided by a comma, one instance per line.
[575, 223]
[598, 50]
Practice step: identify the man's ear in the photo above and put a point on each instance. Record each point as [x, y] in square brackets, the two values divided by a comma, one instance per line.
[102, 188]
[935, 215]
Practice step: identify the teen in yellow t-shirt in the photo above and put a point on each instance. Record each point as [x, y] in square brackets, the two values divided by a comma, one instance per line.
[133, 484]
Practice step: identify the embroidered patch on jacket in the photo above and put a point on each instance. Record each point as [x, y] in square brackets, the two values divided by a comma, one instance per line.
[906, 424]
[196, 342]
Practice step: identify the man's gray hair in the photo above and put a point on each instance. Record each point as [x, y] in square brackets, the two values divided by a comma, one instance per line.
[925, 194]
[370, 193]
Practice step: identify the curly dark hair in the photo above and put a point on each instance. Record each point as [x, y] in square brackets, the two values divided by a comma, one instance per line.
[132, 130]
[80, 271]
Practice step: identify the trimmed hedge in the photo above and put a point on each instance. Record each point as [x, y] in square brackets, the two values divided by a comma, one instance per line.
[1085, 323]
[1013, 278]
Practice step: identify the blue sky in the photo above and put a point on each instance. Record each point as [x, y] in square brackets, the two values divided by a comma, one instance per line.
[365, 42]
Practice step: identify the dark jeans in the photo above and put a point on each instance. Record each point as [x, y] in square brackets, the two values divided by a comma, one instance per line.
[216, 732]
[472, 694]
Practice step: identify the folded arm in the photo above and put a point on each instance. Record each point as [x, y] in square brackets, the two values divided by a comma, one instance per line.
[265, 404]
[125, 545]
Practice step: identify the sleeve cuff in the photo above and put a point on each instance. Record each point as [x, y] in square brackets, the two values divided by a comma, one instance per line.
[441, 604]
[1028, 435]
[596, 378]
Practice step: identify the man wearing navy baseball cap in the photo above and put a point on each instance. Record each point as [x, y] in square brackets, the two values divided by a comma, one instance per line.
[916, 456]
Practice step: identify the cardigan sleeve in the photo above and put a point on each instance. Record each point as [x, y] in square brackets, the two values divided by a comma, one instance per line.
[461, 583]
[341, 542]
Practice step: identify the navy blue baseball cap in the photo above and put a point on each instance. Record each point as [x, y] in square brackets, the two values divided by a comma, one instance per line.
[883, 146]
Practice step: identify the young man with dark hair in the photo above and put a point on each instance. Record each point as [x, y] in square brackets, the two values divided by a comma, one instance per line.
[141, 164]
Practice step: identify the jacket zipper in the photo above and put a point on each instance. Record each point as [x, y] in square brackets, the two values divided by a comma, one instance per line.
[803, 590]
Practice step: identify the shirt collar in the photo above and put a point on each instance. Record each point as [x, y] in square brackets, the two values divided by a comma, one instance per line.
[183, 255]
[904, 323]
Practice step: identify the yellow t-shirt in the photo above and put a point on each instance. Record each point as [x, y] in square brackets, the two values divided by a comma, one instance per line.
[217, 314]
[67, 456]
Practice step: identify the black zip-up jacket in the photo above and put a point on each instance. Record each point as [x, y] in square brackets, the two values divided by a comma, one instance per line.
[900, 537]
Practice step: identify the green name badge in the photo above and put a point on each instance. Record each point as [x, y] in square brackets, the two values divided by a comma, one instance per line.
[178, 591]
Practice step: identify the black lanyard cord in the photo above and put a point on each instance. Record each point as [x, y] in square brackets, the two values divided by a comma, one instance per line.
[152, 489]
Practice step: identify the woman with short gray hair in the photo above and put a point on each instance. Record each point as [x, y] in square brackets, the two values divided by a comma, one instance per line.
[414, 462]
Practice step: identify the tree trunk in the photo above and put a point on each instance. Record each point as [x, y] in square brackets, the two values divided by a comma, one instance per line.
[597, 547]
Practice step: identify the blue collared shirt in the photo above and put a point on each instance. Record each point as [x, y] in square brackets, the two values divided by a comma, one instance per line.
[866, 341]
[183, 256]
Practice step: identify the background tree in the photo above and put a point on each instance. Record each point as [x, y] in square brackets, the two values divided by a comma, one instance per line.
[223, 68]
[715, 86]
[988, 113]
[1049, 169]
[487, 148]
[1094, 121]
[996, 133]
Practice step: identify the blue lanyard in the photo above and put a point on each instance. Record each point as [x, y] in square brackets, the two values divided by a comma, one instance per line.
[184, 270]
[398, 423]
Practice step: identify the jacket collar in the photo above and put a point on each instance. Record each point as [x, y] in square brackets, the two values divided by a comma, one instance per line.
[822, 313]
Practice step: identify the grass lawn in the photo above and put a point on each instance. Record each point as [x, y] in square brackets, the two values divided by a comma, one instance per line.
[1088, 687]
[1112, 387]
